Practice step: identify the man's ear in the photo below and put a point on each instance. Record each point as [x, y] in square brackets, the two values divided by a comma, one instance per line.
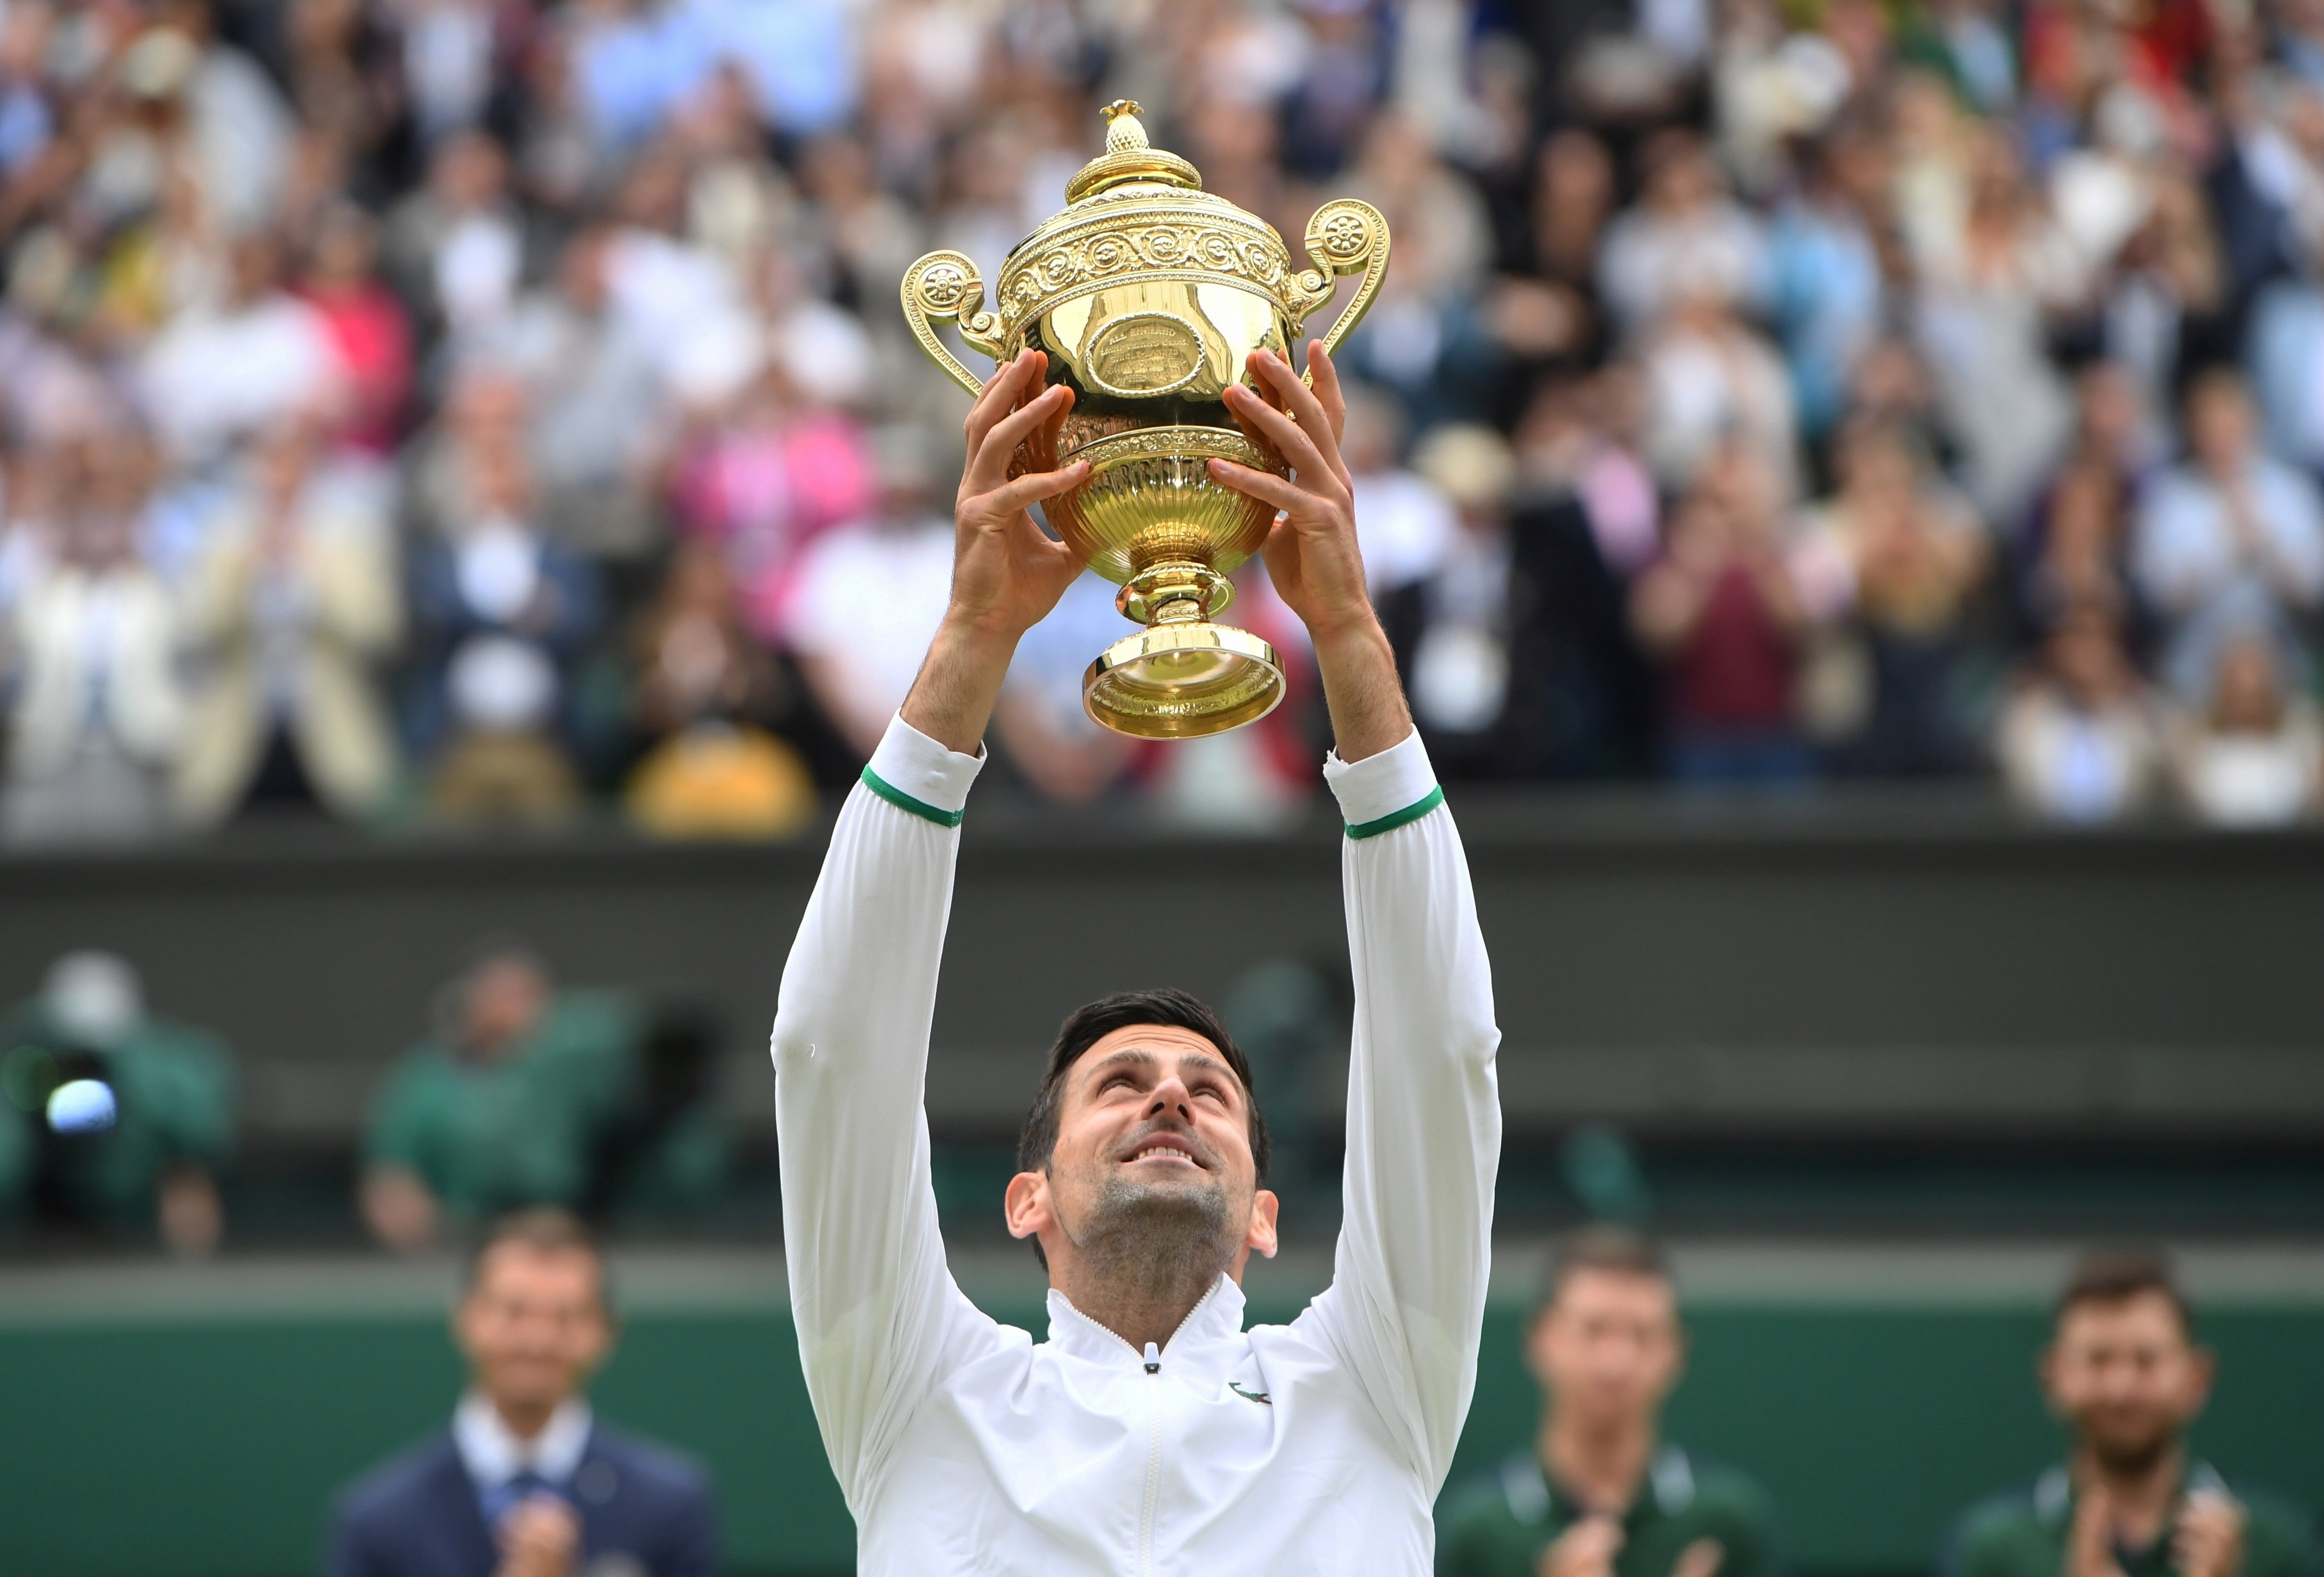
[1537, 1363]
[1026, 1205]
[2045, 1370]
[2206, 1364]
[1261, 1239]
[606, 1337]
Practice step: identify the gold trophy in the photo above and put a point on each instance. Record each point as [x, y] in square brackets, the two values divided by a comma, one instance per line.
[1149, 293]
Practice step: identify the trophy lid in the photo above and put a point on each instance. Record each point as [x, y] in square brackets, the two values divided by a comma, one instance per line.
[1139, 211]
[1129, 157]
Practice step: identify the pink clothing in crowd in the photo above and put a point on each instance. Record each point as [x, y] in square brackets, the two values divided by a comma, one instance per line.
[763, 493]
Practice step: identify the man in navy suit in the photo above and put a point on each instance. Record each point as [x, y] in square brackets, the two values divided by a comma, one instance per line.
[526, 1483]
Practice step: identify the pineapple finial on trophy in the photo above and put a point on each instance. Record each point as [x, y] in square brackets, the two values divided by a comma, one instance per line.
[1122, 130]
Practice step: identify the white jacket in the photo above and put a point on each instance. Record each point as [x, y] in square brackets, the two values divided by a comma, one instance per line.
[73, 626]
[962, 1444]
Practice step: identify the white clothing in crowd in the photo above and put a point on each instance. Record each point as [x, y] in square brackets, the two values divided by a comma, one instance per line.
[2221, 566]
[867, 602]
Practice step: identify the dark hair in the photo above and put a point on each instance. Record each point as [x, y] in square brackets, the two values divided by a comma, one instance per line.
[1085, 1027]
[545, 1231]
[1600, 1247]
[2116, 1276]
[2216, 378]
[499, 947]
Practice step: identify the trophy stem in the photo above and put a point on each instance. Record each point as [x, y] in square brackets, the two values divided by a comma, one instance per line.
[1181, 676]
[1175, 591]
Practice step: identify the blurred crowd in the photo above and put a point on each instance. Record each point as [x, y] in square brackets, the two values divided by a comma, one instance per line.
[489, 410]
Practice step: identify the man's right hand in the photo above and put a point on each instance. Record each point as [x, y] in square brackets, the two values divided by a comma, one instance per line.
[398, 1209]
[539, 1537]
[2089, 1546]
[1587, 1549]
[1007, 571]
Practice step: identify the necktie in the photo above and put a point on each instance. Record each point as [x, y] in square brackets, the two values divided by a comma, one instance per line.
[500, 1499]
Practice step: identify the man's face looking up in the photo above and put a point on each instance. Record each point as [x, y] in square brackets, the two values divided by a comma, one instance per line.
[1153, 1138]
[2127, 1376]
[1607, 1348]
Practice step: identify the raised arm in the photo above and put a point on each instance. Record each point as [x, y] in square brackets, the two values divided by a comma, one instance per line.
[879, 1318]
[875, 1308]
[1408, 1296]
[1007, 571]
[1312, 556]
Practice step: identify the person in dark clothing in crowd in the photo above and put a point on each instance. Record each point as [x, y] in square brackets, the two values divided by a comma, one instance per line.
[111, 1116]
[527, 1095]
[526, 1482]
[1512, 646]
[1602, 1493]
[1723, 612]
[2125, 1374]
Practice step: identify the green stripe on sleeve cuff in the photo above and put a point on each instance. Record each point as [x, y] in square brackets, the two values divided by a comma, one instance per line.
[927, 812]
[1394, 819]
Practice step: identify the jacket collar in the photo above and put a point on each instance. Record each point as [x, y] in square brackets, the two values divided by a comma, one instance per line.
[2054, 1495]
[494, 1454]
[1668, 1490]
[1203, 1348]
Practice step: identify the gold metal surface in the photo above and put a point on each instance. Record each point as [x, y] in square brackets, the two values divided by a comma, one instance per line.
[1149, 295]
[1183, 681]
[943, 287]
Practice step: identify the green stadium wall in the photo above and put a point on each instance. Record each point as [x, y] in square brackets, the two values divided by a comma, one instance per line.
[211, 1447]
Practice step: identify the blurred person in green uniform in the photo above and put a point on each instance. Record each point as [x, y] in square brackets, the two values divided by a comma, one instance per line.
[528, 1095]
[2126, 1376]
[1601, 1494]
[110, 1116]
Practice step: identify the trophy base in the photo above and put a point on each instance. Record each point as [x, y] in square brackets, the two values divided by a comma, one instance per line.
[1183, 681]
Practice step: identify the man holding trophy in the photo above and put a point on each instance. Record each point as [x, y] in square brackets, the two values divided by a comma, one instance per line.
[1150, 1432]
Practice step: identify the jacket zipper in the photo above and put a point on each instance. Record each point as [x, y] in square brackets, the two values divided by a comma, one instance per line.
[1153, 1360]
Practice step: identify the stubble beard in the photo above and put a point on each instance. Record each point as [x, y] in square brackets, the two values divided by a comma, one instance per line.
[2132, 1461]
[1157, 1243]
[2135, 1457]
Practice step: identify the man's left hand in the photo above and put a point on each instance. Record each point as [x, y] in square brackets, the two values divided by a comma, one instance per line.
[1311, 553]
[1585, 1549]
[539, 1537]
[1702, 1558]
[2208, 1541]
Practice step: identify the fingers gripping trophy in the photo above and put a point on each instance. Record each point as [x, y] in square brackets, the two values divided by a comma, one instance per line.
[1148, 297]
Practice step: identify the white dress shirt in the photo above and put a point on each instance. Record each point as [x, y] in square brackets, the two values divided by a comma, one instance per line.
[964, 1446]
[493, 1454]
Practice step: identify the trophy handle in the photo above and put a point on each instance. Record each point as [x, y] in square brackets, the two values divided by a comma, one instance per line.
[944, 285]
[1346, 234]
